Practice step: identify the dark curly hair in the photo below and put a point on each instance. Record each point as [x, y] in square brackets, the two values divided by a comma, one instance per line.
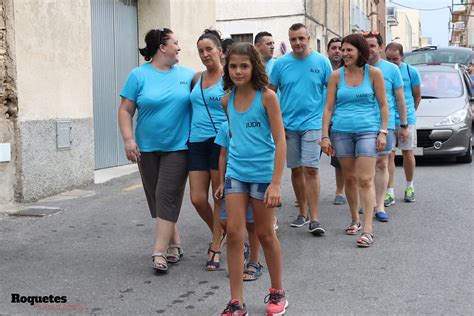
[259, 75]
[153, 40]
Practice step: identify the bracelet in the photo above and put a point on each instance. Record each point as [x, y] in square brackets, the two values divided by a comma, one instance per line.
[325, 137]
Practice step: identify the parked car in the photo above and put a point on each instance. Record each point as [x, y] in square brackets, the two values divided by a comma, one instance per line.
[444, 117]
[435, 54]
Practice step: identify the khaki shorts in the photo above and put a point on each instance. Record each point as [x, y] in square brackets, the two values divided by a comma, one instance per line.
[410, 143]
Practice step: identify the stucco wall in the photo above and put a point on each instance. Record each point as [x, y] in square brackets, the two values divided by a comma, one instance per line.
[8, 104]
[187, 19]
[54, 81]
[231, 9]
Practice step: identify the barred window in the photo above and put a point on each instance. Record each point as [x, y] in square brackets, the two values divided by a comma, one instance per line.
[243, 37]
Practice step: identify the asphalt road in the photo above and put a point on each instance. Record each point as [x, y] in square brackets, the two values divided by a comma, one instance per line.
[96, 253]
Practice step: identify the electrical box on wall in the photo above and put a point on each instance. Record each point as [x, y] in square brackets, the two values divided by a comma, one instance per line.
[63, 134]
[5, 152]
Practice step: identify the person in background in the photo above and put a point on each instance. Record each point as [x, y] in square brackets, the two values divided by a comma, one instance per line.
[203, 159]
[335, 57]
[159, 91]
[396, 101]
[411, 89]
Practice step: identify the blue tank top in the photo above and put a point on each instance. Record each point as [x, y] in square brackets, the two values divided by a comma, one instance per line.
[201, 124]
[251, 149]
[356, 109]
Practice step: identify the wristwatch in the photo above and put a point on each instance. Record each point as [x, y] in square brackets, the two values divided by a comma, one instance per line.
[383, 131]
[403, 125]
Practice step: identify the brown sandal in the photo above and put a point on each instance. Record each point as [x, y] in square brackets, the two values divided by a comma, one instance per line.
[366, 240]
[353, 228]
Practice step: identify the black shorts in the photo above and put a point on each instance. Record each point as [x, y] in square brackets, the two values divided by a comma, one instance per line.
[203, 156]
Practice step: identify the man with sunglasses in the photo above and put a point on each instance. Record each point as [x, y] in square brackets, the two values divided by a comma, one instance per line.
[396, 101]
[335, 57]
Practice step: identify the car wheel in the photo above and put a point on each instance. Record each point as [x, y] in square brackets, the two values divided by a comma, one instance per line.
[467, 158]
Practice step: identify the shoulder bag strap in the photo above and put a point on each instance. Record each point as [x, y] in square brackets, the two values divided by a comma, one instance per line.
[205, 104]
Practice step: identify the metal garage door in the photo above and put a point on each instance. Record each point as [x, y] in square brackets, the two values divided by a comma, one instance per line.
[114, 54]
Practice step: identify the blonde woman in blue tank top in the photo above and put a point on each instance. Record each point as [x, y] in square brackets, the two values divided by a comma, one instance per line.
[254, 170]
[357, 105]
[203, 154]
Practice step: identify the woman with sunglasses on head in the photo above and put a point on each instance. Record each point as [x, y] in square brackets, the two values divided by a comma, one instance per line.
[357, 107]
[159, 91]
[203, 154]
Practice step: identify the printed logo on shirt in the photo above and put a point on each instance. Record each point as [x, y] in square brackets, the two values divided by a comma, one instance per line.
[211, 98]
[364, 95]
[184, 82]
[253, 124]
[314, 70]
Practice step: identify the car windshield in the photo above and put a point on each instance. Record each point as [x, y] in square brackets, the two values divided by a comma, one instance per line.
[439, 56]
[440, 85]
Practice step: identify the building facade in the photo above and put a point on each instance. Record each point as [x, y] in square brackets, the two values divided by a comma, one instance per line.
[462, 26]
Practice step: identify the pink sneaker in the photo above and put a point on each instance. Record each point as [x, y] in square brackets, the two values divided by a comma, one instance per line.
[234, 309]
[277, 302]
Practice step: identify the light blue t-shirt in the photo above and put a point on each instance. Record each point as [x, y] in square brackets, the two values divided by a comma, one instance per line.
[163, 105]
[356, 109]
[201, 125]
[222, 138]
[301, 83]
[411, 78]
[269, 66]
[393, 81]
[251, 147]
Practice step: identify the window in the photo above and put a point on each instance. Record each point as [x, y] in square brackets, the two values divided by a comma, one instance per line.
[243, 37]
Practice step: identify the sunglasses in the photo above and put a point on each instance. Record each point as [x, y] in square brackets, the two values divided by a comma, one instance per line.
[374, 33]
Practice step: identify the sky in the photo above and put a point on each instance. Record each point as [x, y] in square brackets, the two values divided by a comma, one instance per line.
[434, 24]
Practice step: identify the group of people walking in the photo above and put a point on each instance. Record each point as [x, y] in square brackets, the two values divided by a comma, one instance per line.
[232, 126]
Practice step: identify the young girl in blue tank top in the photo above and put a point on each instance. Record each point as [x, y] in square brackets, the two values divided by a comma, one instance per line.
[254, 170]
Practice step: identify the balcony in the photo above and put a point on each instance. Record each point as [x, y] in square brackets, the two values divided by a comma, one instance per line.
[392, 16]
[359, 20]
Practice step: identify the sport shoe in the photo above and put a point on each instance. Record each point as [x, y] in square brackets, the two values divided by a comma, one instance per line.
[381, 216]
[389, 199]
[315, 228]
[299, 221]
[234, 309]
[339, 200]
[409, 195]
[276, 302]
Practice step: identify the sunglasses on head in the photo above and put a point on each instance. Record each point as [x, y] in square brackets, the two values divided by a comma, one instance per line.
[335, 40]
[374, 33]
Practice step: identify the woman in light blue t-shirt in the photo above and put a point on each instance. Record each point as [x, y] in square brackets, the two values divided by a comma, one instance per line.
[159, 91]
[203, 154]
[357, 105]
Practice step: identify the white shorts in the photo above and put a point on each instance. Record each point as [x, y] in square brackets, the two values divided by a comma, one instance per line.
[409, 143]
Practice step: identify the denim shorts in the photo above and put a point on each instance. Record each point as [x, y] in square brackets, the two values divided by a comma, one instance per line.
[390, 141]
[354, 144]
[302, 148]
[248, 216]
[255, 190]
[203, 156]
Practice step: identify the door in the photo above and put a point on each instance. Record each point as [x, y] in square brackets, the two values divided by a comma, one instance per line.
[114, 55]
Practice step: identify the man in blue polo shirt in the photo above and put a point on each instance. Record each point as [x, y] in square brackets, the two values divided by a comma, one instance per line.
[396, 101]
[301, 76]
[411, 88]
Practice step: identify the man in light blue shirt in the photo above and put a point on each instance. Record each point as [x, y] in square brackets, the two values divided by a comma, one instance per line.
[411, 87]
[265, 46]
[301, 76]
[396, 101]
